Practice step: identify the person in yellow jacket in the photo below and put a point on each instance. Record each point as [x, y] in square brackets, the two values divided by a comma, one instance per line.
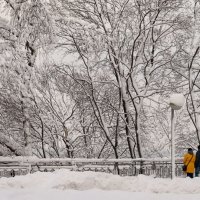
[189, 160]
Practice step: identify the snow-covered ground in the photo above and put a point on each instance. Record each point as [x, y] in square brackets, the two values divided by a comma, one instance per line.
[67, 185]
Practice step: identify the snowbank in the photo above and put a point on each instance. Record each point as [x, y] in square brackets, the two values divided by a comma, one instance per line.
[68, 180]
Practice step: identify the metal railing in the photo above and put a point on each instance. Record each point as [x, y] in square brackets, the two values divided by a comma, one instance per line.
[124, 167]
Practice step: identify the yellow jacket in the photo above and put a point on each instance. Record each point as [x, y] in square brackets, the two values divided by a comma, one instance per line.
[189, 159]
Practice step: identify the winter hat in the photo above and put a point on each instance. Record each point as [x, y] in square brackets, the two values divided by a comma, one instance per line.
[190, 150]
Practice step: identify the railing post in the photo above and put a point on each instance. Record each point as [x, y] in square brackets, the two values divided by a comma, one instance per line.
[116, 168]
[29, 168]
[141, 171]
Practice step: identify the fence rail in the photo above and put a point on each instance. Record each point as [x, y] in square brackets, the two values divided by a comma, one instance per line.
[124, 167]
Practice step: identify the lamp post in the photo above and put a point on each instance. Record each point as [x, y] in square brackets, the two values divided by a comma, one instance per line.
[176, 103]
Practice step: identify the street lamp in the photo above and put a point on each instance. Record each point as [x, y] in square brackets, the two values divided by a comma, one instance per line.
[176, 102]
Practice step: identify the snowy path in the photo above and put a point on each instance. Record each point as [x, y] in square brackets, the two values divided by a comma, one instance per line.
[28, 194]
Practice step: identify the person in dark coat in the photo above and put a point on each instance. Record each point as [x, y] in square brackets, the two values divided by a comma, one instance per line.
[197, 162]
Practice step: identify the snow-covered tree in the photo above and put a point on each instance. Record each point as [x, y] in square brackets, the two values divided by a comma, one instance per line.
[129, 44]
[26, 33]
